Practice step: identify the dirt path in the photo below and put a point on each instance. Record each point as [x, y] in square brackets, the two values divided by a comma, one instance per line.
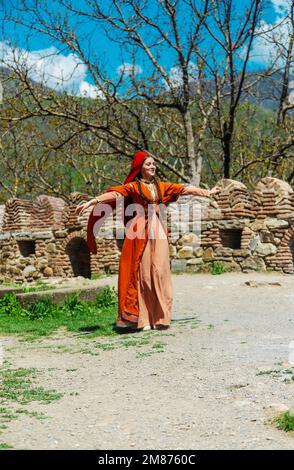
[203, 384]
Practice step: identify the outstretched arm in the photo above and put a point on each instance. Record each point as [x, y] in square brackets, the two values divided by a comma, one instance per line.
[105, 197]
[191, 190]
[123, 190]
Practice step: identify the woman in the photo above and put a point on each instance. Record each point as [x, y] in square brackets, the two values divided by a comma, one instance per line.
[144, 281]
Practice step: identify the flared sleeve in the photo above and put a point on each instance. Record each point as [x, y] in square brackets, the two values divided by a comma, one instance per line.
[108, 197]
[125, 190]
[171, 191]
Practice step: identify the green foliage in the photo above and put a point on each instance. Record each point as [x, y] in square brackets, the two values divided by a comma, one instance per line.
[107, 297]
[17, 386]
[218, 268]
[285, 421]
[37, 288]
[9, 305]
[42, 317]
[256, 139]
[4, 446]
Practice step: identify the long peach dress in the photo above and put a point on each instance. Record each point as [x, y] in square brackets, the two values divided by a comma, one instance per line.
[154, 284]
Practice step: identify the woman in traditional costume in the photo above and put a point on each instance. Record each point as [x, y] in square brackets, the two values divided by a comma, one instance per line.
[144, 282]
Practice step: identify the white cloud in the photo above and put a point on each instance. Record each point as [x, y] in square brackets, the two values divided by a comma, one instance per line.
[91, 91]
[273, 38]
[176, 77]
[280, 6]
[129, 69]
[51, 68]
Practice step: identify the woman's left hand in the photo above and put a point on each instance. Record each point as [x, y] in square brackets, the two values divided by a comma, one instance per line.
[209, 192]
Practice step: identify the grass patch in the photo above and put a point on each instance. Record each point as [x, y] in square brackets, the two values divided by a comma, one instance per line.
[10, 284]
[125, 343]
[4, 446]
[285, 421]
[133, 342]
[145, 354]
[26, 290]
[269, 372]
[98, 276]
[43, 317]
[17, 386]
[158, 346]
[33, 414]
[106, 346]
[218, 267]
[147, 340]
[6, 415]
[192, 323]
[277, 373]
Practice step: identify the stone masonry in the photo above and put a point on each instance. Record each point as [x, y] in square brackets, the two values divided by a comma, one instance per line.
[244, 230]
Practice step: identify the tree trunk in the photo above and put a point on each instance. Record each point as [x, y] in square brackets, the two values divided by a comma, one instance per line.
[190, 148]
[227, 138]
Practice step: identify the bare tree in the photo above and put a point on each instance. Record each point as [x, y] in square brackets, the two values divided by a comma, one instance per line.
[173, 112]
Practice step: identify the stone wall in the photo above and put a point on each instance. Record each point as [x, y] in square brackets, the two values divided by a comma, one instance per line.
[44, 238]
[244, 230]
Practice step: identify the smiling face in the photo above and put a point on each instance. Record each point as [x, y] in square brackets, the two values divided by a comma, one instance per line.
[148, 168]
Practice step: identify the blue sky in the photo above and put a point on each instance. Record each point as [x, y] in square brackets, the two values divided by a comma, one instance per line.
[53, 62]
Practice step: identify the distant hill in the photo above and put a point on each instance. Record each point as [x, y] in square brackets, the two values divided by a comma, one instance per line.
[266, 92]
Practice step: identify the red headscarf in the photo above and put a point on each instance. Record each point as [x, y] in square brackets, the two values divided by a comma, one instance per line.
[136, 166]
[137, 163]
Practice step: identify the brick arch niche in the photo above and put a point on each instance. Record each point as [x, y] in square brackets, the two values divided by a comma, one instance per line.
[79, 255]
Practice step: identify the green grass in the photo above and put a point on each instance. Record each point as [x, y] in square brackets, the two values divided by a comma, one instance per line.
[43, 317]
[38, 285]
[136, 342]
[158, 346]
[218, 268]
[268, 372]
[6, 414]
[17, 386]
[140, 341]
[10, 284]
[98, 276]
[4, 446]
[285, 421]
[125, 343]
[26, 290]
[277, 372]
[34, 414]
[192, 323]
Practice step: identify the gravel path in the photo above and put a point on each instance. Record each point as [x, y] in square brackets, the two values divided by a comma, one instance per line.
[199, 385]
